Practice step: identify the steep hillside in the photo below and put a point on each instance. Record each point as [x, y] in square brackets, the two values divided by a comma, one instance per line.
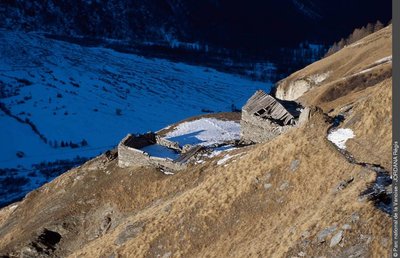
[59, 101]
[230, 35]
[344, 83]
[298, 195]
[353, 66]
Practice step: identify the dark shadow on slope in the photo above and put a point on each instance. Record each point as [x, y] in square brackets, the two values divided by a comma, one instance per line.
[189, 138]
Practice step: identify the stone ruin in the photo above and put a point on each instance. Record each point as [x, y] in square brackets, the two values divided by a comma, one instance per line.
[265, 117]
[133, 150]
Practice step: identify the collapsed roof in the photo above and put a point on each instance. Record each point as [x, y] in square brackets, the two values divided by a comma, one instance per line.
[265, 106]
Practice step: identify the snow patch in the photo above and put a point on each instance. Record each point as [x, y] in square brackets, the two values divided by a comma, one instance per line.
[366, 70]
[355, 44]
[168, 173]
[219, 150]
[72, 93]
[215, 152]
[13, 207]
[224, 159]
[376, 64]
[160, 151]
[205, 132]
[384, 60]
[165, 128]
[340, 136]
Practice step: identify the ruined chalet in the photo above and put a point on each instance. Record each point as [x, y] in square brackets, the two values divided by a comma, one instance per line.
[142, 150]
[265, 117]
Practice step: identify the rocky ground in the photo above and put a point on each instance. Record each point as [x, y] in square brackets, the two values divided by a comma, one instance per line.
[296, 196]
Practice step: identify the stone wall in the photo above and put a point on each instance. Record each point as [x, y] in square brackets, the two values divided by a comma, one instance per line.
[167, 163]
[129, 156]
[167, 143]
[140, 141]
[264, 117]
[256, 129]
[304, 116]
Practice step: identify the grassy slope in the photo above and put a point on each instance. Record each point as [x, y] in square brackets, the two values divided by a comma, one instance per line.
[226, 211]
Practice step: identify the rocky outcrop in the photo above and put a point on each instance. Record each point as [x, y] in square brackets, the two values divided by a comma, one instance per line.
[294, 89]
[305, 115]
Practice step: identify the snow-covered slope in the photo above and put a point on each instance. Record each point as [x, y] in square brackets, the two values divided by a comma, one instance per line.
[54, 93]
[205, 132]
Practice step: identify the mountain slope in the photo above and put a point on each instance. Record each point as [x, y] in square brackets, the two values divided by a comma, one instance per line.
[347, 86]
[219, 23]
[59, 101]
[229, 35]
[298, 195]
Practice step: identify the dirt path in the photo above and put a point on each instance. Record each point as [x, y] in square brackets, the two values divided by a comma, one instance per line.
[380, 191]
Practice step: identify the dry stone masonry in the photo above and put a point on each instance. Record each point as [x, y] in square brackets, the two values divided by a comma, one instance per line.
[265, 117]
[130, 153]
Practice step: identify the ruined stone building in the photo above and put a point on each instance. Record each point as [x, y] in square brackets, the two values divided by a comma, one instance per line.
[265, 117]
[152, 150]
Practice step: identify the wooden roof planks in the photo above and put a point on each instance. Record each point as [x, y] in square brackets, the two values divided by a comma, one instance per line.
[265, 106]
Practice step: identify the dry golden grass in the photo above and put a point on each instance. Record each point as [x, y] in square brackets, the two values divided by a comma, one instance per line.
[230, 214]
[255, 206]
[345, 63]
